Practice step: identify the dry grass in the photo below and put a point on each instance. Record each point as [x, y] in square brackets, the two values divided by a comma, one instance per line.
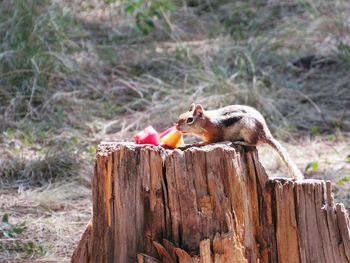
[53, 217]
[23, 165]
[82, 74]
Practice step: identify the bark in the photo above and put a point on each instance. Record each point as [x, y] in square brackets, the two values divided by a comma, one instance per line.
[207, 204]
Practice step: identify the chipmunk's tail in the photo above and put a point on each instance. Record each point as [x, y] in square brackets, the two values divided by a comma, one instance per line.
[293, 169]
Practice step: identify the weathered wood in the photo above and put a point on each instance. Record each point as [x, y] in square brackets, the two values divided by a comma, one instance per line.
[142, 258]
[83, 252]
[207, 204]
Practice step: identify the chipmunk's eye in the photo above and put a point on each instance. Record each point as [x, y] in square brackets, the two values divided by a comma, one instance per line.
[189, 120]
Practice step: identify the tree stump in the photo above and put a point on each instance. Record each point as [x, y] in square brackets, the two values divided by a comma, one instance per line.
[207, 204]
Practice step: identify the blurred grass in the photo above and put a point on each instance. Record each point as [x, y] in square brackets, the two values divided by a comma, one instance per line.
[34, 54]
[38, 166]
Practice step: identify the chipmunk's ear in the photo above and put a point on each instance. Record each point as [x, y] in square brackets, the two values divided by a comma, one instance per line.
[198, 109]
[192, 107]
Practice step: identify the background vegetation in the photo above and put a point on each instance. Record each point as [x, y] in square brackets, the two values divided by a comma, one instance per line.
[73, 73]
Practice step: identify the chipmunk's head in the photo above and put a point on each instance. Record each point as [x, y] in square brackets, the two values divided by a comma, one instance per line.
[192, 121]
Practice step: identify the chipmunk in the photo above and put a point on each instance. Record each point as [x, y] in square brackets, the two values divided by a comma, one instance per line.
[239, 124]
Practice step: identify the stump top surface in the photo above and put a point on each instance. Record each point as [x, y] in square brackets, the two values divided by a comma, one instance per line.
[105, 148]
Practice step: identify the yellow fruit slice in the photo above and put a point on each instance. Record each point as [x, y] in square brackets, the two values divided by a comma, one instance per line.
[172, 139]
[180, 142]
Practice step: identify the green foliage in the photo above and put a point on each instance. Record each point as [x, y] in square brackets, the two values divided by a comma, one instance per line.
[314, 130]
[343, 180]
[9, 133]
[146, 12]
[91, 150]
[9, 230]
[11, 242]
[313, 165]
[25, 137]
[348, 158]
[74, 140]
[343, 51]
[239, 22]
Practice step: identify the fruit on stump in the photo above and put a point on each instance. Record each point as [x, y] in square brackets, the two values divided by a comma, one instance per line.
[166, 132]
[172, 138]
[148, 136]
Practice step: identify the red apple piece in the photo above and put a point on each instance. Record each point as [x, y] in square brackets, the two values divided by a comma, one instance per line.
[147, 136]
